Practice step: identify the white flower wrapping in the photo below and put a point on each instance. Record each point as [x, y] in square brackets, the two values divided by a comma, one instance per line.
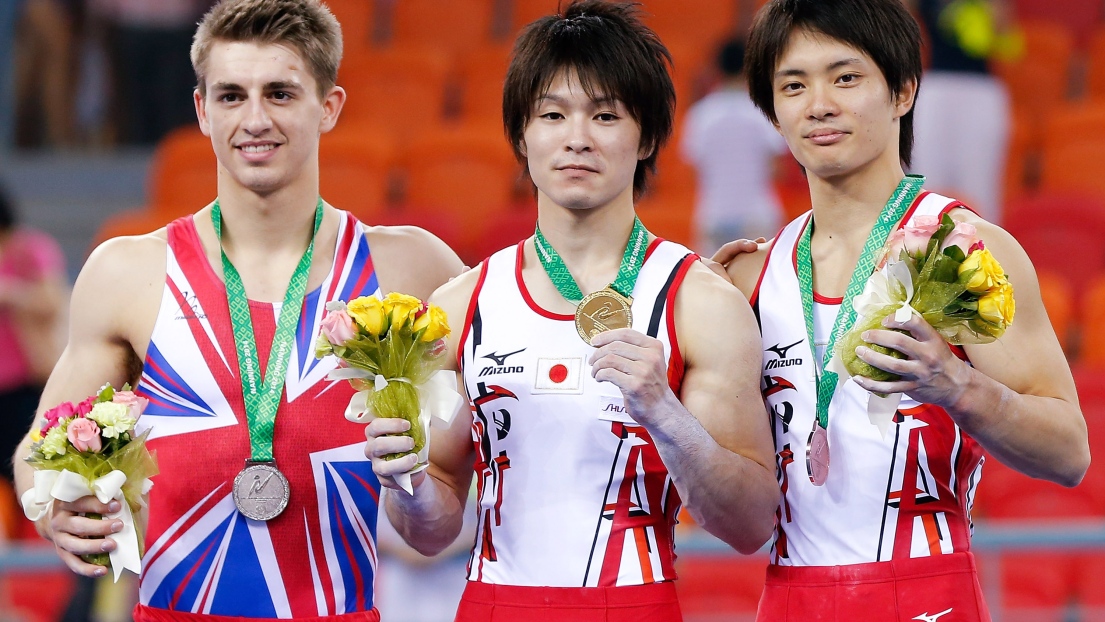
[68, 486]
[892, 286]
[438, 402]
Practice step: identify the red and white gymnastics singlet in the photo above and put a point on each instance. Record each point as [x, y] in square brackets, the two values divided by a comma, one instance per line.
[318, 558]
[572, 492]
[890, 531]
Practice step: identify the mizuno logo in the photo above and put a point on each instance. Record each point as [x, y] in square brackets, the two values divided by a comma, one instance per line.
[781, 351]
[925, 617]
[500, 366]
[500, 359]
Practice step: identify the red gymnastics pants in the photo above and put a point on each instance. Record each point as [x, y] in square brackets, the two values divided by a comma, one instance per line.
[942, 588]
[483, 602]
[149, 614]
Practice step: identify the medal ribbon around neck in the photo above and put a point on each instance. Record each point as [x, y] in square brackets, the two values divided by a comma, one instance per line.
[632, 260]
[262, 399]
[899, 203]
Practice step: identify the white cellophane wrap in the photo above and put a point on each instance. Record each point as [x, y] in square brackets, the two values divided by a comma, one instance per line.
[438, 401]
[68, 486]
[891, 286]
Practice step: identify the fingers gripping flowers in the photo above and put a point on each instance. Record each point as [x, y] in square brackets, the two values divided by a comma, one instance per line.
[91, 449]
[391, 352]
[941, 270]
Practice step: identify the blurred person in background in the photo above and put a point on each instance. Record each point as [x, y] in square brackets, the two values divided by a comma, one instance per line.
[963, 113]
[44, 73]
[733, 149]
[147, 46]
[33, 300]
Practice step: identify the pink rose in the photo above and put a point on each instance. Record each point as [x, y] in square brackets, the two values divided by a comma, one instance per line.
[964, 235]
[894, 245]
[918, 234]
[84, 434]
[337, 327]
[85, 407]
[54, 416]
[136, 403]
[977, 246]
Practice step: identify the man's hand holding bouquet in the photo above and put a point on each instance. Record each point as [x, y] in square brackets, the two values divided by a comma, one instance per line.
[391, 351]
[90, 449]
[936, 269]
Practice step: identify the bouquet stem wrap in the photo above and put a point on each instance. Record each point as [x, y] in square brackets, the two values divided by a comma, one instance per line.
[436, 399]
[125, 477]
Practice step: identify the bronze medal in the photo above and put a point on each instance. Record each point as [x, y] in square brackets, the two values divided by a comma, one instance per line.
[261, 491]
[817, 456]
[602, 311]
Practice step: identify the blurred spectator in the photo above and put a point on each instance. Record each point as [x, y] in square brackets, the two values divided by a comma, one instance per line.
[9, 14]
[44, 73]
[148, 45]
[733, 148]
[32, 312]
[962, 113]
[414, 588]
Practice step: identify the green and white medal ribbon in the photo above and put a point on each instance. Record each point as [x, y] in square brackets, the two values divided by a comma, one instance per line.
[817, 451]
[261, 491]
[610, 307]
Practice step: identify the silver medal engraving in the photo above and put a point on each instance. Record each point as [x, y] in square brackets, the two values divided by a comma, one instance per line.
[261, 491]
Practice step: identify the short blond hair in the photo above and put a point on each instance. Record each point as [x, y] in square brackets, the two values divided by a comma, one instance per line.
[307, 26]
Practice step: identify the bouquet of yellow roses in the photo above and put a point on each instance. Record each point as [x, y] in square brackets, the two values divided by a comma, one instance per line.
[91, 449]
[391, 351]
[941, 270]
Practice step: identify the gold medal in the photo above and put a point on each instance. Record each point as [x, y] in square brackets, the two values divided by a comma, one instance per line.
[601, 311]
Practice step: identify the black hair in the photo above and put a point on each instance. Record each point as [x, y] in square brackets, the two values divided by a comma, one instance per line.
[612, 53]
[882, 29]
[7, 211]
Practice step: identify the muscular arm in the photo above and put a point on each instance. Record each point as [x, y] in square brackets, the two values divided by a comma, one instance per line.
[713, 437]
[114, 302]
[1018, 400]
[431, 519]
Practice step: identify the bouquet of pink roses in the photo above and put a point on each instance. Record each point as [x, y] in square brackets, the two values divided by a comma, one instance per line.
[941, 270]
[91, 449]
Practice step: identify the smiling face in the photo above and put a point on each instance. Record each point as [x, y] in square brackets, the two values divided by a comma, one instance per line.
[834, 107]
[263, 113]
[582, 152]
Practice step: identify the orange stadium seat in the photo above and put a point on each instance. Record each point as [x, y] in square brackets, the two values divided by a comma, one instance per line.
[1093, 330]
[1078, 17]
[467, 172]
[1040, 78]
[1073, 168]
[357, 19]
[1019, 156]
[132, 222]
[452, 26]
[1070, 124]
[1095, 78]
[483, 71]
[1055, 289]
[355, 171]
[708, 21]
[183, 174]
[504, 229]
[398, 88]
[1060, 230]
[525, 11]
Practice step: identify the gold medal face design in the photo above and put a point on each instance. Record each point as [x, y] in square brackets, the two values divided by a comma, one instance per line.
[602, 311]
[261, 491]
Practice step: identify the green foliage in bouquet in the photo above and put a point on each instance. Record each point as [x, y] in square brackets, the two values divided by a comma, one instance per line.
[951, 280]
[397, 342]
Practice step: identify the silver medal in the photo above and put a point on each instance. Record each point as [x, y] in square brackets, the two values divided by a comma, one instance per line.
[261, 491]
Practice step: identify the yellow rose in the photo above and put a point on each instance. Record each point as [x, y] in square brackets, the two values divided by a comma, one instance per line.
[400, 307]
[368, 312]
[434, 322]
[981, 272]
[997, 307]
